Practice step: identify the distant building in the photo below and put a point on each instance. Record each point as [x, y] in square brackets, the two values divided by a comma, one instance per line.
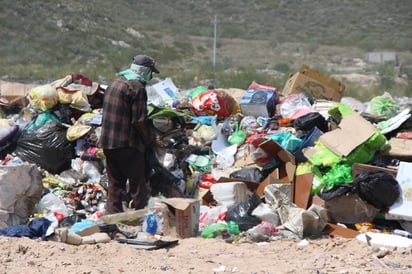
[382, 57]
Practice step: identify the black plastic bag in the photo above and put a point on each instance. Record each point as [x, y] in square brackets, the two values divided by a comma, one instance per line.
[309, 121]
[241, 213]
[68, 221]
[338, 190]
[252, 174]
[161, 180]
[308, 141]
[378, 188]
[46, 146]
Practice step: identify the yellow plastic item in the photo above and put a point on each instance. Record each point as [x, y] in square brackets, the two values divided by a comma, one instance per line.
[43, 97]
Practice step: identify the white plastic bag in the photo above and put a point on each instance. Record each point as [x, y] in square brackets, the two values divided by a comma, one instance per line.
[52, 203]
[20, 189]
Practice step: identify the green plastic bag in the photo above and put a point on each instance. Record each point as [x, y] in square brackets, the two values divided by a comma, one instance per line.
[214, 230]
[324, 156]
[233, 228]
[196, 91]
[366, 151]
[340, 110]
[43, 118]
[339, 174]
[238, 137]
[383, 106]
[287, 140]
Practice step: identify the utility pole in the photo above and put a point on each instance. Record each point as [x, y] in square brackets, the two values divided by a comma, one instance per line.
[214, 47]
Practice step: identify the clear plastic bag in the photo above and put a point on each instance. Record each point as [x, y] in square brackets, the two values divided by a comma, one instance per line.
[294, 102]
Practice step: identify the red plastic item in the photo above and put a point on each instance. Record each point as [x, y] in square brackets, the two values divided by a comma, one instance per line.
[207, 180]
[59, 216]
[285, 121]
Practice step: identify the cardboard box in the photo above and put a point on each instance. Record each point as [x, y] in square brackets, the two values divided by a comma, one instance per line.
[258, 100]
[12, 94]
[314, 84]
[302, 190]
[184, 216]
[284, 173]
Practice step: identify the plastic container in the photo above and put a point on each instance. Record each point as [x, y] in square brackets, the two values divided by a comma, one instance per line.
[403, 233]
[150, 224]
[229, 193]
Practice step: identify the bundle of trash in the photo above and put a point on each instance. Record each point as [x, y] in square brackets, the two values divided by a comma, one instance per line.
[259, 162]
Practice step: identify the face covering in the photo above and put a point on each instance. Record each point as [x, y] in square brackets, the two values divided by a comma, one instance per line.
[137, 72]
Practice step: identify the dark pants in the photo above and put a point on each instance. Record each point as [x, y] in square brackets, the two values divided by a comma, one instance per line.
[124, 164]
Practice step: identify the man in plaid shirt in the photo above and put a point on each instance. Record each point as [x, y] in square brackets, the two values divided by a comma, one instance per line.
[126, 134]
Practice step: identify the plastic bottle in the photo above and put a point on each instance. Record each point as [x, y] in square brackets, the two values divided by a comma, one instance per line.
[402, 233]
[151, 224]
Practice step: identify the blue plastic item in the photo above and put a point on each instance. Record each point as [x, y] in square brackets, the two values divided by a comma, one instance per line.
[151, 223]
[83, 224]
[308, 141]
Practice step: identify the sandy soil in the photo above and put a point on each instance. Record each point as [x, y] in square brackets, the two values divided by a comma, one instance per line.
[199, 255]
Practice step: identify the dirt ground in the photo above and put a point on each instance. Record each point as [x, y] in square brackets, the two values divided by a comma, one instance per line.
[199, 255]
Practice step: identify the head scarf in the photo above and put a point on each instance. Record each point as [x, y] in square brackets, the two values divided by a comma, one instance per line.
[137, 72]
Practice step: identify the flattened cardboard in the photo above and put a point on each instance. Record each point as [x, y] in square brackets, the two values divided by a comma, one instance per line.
[336, 230]
[399, 147]
[314, 84]
[14, 89]
[303, 187]
[316, 200]
[358, 168]
[184, 216]
[353, 130]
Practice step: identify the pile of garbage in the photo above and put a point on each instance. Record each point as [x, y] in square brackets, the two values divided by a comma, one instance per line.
[260, 163]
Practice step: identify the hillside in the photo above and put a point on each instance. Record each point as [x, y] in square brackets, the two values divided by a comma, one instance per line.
[43, 40]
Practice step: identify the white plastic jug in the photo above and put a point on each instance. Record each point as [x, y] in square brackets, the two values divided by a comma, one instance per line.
[229, 193]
